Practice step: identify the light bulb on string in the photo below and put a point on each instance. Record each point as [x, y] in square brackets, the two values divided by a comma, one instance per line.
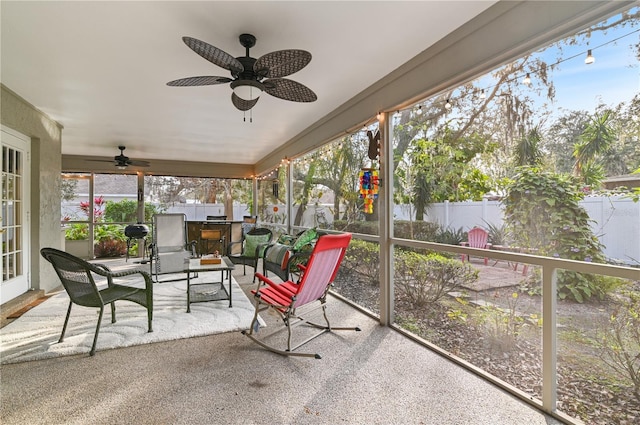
[589, 59]
[527, 80]
[447, 105]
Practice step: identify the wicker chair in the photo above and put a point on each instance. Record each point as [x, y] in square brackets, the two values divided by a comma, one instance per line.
[253, 245]
[77, 278]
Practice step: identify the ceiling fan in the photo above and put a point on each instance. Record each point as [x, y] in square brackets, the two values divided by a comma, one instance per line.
[121, 161]
[249, 76]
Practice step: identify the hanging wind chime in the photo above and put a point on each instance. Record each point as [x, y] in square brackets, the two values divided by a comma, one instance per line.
[369, 184]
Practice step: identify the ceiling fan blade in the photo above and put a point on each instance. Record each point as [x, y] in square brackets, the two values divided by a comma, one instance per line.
[281, 63]
[137, 163]
[243, 105]
[199, 81]
[214, 55]
[100, 160]
[289, 90]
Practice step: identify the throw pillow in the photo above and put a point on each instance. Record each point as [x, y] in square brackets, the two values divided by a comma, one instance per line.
[278, 254]
[309, 236]
[251, 243]
[286, 239]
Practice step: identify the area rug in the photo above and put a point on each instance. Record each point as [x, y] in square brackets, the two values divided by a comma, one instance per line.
[35, 335]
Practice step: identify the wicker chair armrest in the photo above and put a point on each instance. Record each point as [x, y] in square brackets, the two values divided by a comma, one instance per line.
[102, 266]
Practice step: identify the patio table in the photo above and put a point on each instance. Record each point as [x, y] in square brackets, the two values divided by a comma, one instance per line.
[216, 291]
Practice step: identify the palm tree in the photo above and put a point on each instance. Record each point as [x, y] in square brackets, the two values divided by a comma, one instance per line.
[594, 141]
[527, 150]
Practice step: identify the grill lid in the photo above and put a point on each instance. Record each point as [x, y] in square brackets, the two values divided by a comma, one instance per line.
[136, 231]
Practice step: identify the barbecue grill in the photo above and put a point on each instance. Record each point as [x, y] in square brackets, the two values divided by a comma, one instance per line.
[136, 231]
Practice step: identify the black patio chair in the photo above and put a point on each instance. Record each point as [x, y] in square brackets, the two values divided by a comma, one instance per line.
[253, 245]
[77, 278]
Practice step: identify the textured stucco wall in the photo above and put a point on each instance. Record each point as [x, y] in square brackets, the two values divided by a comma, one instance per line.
[46, 154]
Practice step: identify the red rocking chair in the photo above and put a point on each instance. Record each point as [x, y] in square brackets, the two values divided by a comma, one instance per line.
[291, 300]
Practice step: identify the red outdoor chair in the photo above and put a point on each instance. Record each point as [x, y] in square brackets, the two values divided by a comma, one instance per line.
[476, 238]
[293, 300]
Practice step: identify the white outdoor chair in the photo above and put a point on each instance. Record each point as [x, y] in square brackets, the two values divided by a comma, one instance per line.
[170, 247]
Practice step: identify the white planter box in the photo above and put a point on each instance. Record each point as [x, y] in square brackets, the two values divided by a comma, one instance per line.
[80, 249]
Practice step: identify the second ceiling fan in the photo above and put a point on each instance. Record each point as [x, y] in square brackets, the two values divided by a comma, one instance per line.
[249, 76]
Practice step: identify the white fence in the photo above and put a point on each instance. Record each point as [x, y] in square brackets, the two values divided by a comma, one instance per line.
[616, 221]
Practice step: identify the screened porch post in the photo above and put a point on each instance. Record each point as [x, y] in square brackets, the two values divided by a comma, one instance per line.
[385, 221]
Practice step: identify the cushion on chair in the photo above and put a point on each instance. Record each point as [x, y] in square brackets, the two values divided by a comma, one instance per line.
[285, 239]
[251, 243]
[309, 235]
[278, 254]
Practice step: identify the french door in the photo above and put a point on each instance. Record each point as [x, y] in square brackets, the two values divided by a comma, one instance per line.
[14, 210]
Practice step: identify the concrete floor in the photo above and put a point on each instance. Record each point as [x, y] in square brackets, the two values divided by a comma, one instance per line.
[376, 376]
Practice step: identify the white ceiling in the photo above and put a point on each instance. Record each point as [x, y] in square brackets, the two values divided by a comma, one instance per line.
[100, 68]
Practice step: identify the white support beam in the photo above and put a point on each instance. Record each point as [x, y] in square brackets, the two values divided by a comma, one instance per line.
[549, 335]
[385, 223]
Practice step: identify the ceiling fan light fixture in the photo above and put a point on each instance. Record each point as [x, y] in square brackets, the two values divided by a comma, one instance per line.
[247, 89]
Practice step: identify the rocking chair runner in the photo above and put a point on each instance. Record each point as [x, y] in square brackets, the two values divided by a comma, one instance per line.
[289, 298]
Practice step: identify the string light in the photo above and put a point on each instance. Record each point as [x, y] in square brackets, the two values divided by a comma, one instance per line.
[481, 93]
[589, 59]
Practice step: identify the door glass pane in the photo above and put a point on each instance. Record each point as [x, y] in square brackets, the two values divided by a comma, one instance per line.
[12, 211]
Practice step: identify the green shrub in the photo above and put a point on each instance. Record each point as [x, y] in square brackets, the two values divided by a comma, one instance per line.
[363, 257]
[450, 236]
[77, 232]
[425, 279]
[503, 325]
[620, 342]
[418, 230]
[126, 211]
[109, 240]
[104, 232]
[498, 235]
[543, 215]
